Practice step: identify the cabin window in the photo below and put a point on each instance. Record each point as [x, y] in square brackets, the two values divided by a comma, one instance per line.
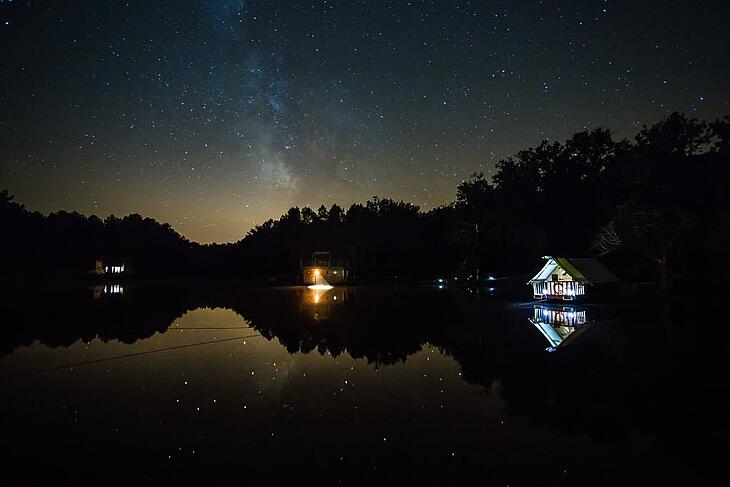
[554, 277]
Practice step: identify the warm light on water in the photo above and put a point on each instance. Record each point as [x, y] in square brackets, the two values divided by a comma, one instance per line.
[320, 283]
[320, 287]
[371, 380]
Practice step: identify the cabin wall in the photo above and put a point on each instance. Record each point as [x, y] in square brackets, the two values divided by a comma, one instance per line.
[333, 274]
[562, 275]
[114, 269]
[111, 267]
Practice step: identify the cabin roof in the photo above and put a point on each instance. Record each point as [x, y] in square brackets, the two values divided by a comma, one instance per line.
[580, 269]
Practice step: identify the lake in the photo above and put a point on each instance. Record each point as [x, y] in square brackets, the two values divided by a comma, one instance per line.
[163, 383]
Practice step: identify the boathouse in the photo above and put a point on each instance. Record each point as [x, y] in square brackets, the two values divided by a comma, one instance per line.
[568, 278]
[323, 270]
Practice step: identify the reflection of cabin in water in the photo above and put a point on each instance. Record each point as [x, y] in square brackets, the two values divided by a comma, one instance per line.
[567, 278]
[322, 267]
[320, 302]
[101, 290]
[112, 266]
[558, 323]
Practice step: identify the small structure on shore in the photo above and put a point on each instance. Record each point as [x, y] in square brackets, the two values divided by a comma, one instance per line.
[105, 266]
[321, 270]
[567, 278]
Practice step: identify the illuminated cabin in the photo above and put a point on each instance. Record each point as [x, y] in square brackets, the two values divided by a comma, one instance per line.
[106, 266]
[322, 268]
[568, 279]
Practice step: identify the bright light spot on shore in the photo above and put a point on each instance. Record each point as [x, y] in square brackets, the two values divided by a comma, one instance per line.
[320, 287]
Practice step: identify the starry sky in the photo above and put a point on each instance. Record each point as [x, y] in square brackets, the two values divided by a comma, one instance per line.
[217, 115]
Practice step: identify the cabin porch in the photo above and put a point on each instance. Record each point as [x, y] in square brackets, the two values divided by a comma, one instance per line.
[565, 290]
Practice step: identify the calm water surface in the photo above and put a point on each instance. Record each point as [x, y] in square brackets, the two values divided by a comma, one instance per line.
[120, 384]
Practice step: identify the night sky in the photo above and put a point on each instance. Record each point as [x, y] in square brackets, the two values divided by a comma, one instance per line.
[217, 115]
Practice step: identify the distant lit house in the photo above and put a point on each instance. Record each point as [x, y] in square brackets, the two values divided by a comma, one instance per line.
[105, 266]
[568, 278]
[321, 268]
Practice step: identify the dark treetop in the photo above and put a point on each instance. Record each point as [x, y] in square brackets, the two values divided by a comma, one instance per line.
[654, 209]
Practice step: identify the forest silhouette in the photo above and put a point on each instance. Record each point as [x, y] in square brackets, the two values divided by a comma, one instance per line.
[655, 208]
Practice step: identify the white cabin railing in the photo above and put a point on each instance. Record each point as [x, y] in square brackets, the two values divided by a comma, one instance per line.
[558, 289]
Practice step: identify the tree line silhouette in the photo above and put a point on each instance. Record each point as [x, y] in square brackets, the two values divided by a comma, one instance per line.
[655, 208]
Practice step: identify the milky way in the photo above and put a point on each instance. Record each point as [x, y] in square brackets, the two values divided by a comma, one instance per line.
[217, 115]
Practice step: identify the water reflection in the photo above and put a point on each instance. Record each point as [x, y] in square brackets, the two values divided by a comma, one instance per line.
[558, 324]
[320, 300]
[206, 380]
[100, 290]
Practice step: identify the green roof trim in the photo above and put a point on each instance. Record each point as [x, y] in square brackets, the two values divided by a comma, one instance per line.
[580, 269]
[570, 269]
